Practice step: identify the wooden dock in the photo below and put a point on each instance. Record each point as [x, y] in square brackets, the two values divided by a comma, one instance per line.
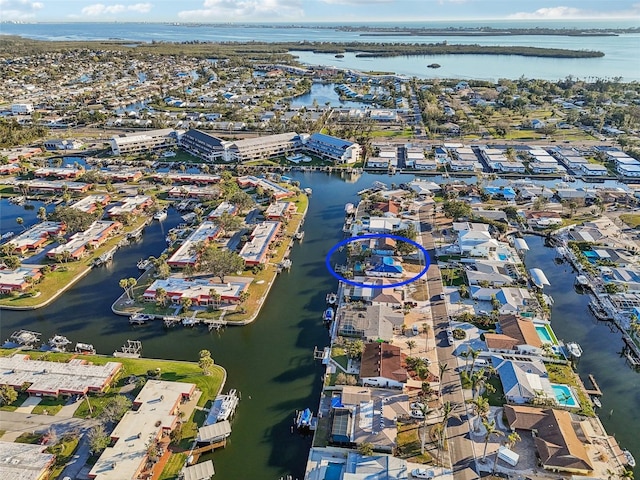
[596, 392]
[195, 454]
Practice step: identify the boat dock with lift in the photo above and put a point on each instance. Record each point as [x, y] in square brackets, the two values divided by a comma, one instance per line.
[132, 349]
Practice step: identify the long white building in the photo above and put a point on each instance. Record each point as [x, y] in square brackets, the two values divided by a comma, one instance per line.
[142, 141]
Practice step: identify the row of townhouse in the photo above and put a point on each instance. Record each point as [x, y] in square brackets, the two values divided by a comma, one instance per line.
[66, 173]
[92, 238]
[625, 165]
[18, 279]
[52, 186]
[36, 236]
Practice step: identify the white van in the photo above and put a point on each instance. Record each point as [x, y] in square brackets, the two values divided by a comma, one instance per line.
[481, 363]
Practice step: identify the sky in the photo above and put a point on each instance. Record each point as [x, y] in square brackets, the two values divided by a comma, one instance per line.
[309, 11]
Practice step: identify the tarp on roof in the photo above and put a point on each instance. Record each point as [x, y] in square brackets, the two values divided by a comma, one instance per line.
[336, 402]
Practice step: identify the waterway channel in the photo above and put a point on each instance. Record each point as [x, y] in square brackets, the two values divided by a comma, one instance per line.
[270, 361]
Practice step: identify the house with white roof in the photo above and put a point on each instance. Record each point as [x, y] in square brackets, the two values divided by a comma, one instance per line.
[523, 381]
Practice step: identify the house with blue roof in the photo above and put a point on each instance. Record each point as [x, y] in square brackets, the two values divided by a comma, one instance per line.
[384, 266]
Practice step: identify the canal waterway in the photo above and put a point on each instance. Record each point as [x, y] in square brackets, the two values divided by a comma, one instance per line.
[572, 321]
[270, 361]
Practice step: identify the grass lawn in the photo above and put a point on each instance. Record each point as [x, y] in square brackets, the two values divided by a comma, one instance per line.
[339, 356]
[496, 398]
[409, 443]
[631, 219]
[173, 466]
[406, 133]
[32, 438]
[50, 405]
[565, 375]
[63, 451]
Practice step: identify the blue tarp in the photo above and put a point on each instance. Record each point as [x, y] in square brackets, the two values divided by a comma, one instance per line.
[336, 402]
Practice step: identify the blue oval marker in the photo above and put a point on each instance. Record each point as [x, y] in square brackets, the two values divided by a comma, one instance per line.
[327, 261]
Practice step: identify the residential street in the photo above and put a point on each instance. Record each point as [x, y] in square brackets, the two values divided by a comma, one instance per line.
[461, 449]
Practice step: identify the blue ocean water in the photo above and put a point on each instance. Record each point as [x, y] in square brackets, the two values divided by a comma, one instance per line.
[620, 60]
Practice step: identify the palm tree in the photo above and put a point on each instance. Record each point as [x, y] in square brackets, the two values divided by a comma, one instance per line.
[466, 354]
[161, 296]
[447, 413]
[20, 221]
[512, 439]
[480, 410]
[491, 429]
[426, 411]
[411, 344]
[474, 354]
[443, 368]
[124, 284]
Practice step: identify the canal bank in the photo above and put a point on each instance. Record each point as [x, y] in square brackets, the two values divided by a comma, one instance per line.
[601, 343]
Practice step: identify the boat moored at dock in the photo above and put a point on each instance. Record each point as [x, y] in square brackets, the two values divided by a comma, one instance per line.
[328, 314]
[140, 318]
[85, 348]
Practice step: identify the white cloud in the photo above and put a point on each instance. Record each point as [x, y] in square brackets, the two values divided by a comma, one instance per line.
[19, 9]
[102, 9]
[355, 2]
[562, 12]
[226, 10]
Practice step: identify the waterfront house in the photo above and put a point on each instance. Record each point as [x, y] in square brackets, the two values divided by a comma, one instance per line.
[275, 190]
[280, 211]
[516, 335]
[92, 238]
[523, 381]
[371, 323]
[44, 186]
[200, 291]
[381, 366]
[558, 447]
[493, 273]
[18, 279]
[375, 292]
[384, 246]
[384, 266]
[194, 191]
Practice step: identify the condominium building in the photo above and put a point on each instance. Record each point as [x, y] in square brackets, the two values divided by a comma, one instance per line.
[143, 141]
[332, 148]
[262, 147]
[202, 145]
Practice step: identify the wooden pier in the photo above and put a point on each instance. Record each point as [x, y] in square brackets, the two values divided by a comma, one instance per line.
[195, 454]
[596, 392]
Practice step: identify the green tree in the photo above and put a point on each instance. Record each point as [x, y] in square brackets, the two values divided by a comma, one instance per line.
[115, 409]
[411, 344]
[365, 449]
[242, 200]
[186, 303]
[354, 348]
[124, 284]
[456, 209]
[20, 221]
[98, 439]
[8, 395]
[220, 262]
[228, 222]
[512, 439]
[42, 214]
[206, 362]
[74, 219]
[12, 262]
[161, 296]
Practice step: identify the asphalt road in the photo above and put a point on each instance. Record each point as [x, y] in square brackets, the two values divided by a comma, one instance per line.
[28, 422]
[461, 450]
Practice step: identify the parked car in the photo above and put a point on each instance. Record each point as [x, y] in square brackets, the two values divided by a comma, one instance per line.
[416, 414]
[417, 406]
[422, 473]
[415, 330]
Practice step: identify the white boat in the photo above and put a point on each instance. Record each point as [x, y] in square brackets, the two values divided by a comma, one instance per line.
[228, 404]
[58, 343]
[140, 318]
[160, 216]
[189, 217]
[7, 235]
[143, 264]
[630, 460]
[85, 348]
[327, 316]
[308, 191]
[332, 298]
[574, 349]
[596, 402]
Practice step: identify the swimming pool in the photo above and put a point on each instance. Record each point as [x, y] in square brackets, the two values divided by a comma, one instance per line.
[544, 334]
[333, 471]
[503, 256]
[564, 395]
